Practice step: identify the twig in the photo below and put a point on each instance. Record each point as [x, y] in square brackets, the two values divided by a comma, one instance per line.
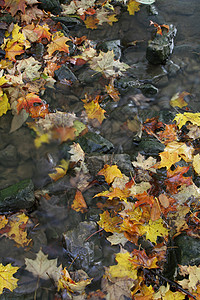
[178, 286]
[94, 234]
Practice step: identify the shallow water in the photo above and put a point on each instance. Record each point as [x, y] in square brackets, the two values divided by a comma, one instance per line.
[55, 216]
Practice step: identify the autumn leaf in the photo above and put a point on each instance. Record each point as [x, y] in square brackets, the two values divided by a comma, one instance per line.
[15, 5]
[144, 199]
[169, 134]
[175, 179]
[94, 110]
[42, 267]
[17, 224]
[79, 203]
[91, 22]
[6, 277]
[108, 223]
[133, 6]
[154, 229]
[58, 43]
[140, 259]
[159, 27]
[12, 49]
[42, 32]
[106, 64]
[114, 193]
[39, 111]
[182, 119]
[178, 100]
[196, 163]
[139, 188]
[4, 104]
[77, 153]
[124, 267]
[112, 92]
[110, 172]
[27, 102]
[61, 170]
[145, 164]
[165, 294]
[194, 277]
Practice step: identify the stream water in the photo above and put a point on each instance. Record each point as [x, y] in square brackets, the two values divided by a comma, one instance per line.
[20, 160]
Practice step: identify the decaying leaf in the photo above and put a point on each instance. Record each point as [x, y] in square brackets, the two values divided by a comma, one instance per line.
[79, 203]
[110, 173]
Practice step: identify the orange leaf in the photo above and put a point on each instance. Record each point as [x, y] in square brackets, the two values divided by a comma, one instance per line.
[39, 111]
[140, 259]
[12, 49]
[91, 22]
[113, 93]
[15, 5]
[64, 133]
[42, 32]
[58, 43]
[176, 178]
[110, 172]
[159, 27]
[28, 102]
[155, 211]
[169, 134]
[144, 199]
[79, 203]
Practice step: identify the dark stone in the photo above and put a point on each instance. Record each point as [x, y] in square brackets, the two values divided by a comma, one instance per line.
[50, 5]
[68, 21]
[160, 48]
[84, 251]
[17, 196]
[92, 142]
[8, 156]
[64, 73]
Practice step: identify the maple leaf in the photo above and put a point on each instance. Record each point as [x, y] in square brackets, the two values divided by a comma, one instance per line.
[112, 92]
[42, 32]
[79, 203]
[196, 163]
[12, 49]
[27, 102]
[194, 277]
[76, 152]
[108, 223]
[114, 193]
[178, 100]
[4, 104]
[61, 170]
[165, 294]
[124, 267]
[110, 172]
[39, 111]
[144, 199]
[106, 64]
[58, 43]
[169, 134]
[153, 230]
[176, 178]
[15, 5]
[29, 68]
[139, 188]
[182, 119]
[159, 27]
[145, 164]
[42, 267]
[91, 22]
[133, 6]
[94, 110]
[65, 282]
[140, 259]
[6, 277]
[117, 238]
[77, 6]
[3, 221]
[32, 13]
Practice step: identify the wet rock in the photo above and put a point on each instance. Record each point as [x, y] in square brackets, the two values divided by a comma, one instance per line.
[17, 196]
[93, 142]
[64, 73]
[114, 45]
[68, 21]
[8, 156]
[50, 5]
[148, 146]
[172, 68]
[96, 163]
[160, 48]
[188, 250]
[39, 51]
[88, 76]
[85, 251]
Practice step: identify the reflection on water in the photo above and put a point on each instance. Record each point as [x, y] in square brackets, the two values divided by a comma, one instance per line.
[18, 157]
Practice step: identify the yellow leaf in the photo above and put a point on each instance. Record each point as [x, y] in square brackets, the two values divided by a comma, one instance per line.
[17, 223]
[3, 80]
[39, 140]
[94, 110]
[110, 172]
[124, 268]
[58, 43]
[79, 203]
[4, 105]
[178, 100]
[61, 170]
[6, 277]
[153, 230]
[91, 22]
[182, 119]
[196, 163]
[108, 223]
[133, 6]
[3, 222]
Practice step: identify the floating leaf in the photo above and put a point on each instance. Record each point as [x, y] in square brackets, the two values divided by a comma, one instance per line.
[6, 277]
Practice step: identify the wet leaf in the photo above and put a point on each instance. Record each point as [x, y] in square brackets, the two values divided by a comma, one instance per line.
[182, 119]
[79, 203]
[133, 6]
[108, 223]
[4, 104]
[58, 43]
[42, 32]
[6, 277]
[91, 22]
[165, 294]
[61, 170]
[145, 164]
[27, 102]
[110, 172]
[77, 153]
[178, 100]
[196, 163]
[15, 5]
[113, 93]
[194, 277]
[154, 229]
[94, 110]
[140, 259]
[42, 267]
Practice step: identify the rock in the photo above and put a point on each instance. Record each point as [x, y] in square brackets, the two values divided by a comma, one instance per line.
[88, 76]
[64, 73]
[96, 162]
[114, 45]
[8, 156]
[17, 196]
[84, 252]
[92, 142]
[148, 146]
[160, 48]
[50, 5]
[188, 250]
